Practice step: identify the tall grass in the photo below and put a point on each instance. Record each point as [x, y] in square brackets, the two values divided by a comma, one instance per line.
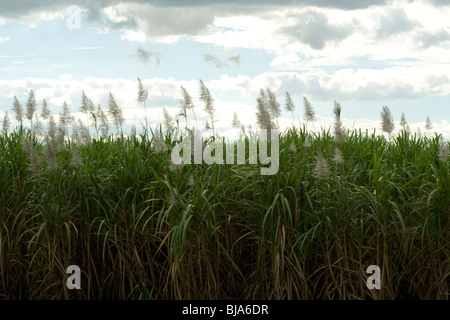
[141, 228]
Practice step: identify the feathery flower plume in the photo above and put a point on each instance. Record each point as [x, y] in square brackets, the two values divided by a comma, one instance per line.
[142, 97]
[35, 161]
[403, 121]
[387, 121]
[292, 148]
[104, 124]
[290, 106]
[175, 167]
[76, 160]
[206, 97]
[33, 158]
[408, 130]
[243, 130]
[168, 120]
[6, 122]
[65, 119]
[309, 111]
[262, 115]
[87, 107]
[133, 132]
[273, 105]
[52, 128]
[186, 104]
[45, 114]
[142, 92]
[30, 107]
[76, 132]
[91, 111]
[84, 135]
[60, 139]
[236, 123]
[443, 150]
[191, 181]
[26, 143]
[338, 128]
[338, 158]
[428, 125]
[38, 127]
[307, 143]
[18, 111]
[160, 146]
[84, 103]
[50, 156]
[321, 169]
[172, 200]
[115, 112]
[95, 116]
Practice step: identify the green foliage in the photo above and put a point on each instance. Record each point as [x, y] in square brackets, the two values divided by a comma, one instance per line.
[141, 228]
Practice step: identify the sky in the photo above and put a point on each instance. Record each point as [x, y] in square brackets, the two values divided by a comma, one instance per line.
[362, 54]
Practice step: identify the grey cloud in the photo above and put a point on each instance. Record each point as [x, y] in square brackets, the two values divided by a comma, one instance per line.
[180, 17]
[312, 28]
[441, 2]
[93, 14]
[128, 24]
[427, 39]
[235, 59]
[394, 21]
[209, 58]
[146, 56]
[343, 4]
[16, 10]
[175, 21]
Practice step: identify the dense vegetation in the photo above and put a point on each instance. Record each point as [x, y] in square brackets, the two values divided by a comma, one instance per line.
[140, 227]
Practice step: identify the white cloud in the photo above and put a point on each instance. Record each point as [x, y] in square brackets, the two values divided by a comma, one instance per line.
[4, 39]
[305, 38]
[361, 84]
[87, 48]
[141, 22]
[134, 36]
[66, 76]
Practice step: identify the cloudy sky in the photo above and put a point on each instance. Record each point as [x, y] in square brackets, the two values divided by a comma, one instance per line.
[364, 54]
